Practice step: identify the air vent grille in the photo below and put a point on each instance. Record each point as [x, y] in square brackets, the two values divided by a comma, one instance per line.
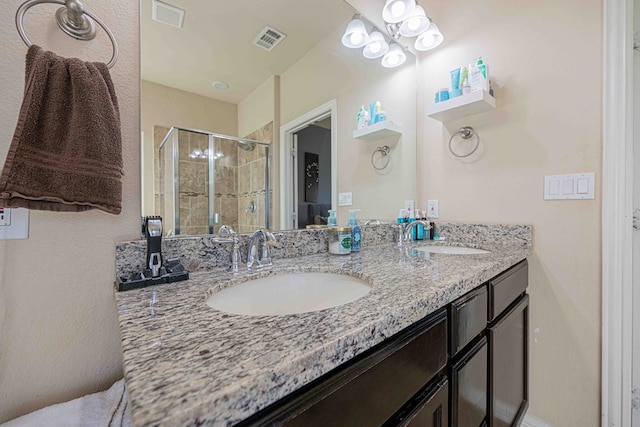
[269, 38]
[167, 14]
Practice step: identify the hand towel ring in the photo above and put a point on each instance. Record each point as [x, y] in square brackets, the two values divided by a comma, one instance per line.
[73, 20]
[465, 133]
[384, 151]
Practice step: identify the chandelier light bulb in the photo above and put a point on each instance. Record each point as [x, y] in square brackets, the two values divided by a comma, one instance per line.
[395, 11]
[398, 8]
[377, 45]
[417, 23]
[356, 38]
[430, 39]
[355, 35]
[394, 57]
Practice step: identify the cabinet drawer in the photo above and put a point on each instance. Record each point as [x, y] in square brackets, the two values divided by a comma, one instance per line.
[429, 408]
[506, 288]
[370, 389]
[468, 318]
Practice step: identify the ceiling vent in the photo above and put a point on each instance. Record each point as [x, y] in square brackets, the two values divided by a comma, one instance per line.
[167, 14]
[269, 38]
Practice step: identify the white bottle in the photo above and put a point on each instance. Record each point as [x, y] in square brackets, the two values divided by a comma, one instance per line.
[478, 75]
[363, 118]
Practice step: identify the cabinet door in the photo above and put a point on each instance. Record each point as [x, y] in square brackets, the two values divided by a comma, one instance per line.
[432, 410]
[509, 366]
[469, 387]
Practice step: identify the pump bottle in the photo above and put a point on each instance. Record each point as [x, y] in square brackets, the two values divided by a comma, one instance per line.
[356, 231]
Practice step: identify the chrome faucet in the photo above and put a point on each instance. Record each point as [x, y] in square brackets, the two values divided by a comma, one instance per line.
[404, 230]
[258, 253]
[228, 235]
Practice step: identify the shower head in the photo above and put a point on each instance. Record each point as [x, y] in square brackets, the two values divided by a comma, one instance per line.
[247, 146]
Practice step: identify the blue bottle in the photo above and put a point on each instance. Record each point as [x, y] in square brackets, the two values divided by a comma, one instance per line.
[419, 227]
[414, 229]
[356, 231]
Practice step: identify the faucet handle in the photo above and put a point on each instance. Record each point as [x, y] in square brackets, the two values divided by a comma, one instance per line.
[265, 255]
[236, 256]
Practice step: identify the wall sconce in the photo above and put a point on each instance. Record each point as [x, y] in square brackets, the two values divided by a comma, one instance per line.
[429, 39]
[356, 34]
[395, 57]
[377, 45]
[403, 18]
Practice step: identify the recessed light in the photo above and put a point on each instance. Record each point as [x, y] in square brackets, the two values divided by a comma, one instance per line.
[220, 85]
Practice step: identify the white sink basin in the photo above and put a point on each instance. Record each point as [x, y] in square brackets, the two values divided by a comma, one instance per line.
[289, 294]
[457, 250]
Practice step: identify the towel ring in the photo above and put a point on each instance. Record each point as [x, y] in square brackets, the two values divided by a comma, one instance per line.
[465, 133]
[384, 151]
[73, 20]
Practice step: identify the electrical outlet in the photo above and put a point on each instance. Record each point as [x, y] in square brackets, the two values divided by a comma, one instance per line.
[432, 208]
[14, 223]
[5, 216]
[345, 199]
[410, 206]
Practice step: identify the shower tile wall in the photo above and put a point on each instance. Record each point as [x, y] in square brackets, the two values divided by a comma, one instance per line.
[239, 180]
[226, 184]
[194, 184]
[252, 181]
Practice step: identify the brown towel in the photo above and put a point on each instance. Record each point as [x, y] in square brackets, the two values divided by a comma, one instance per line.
[66, 152]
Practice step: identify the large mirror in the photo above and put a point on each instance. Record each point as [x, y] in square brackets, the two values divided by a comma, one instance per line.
[296, 102]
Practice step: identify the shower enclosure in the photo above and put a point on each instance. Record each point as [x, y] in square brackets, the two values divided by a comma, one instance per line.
[206, 180]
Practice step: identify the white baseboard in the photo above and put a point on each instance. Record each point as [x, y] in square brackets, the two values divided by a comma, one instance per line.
[531, 421]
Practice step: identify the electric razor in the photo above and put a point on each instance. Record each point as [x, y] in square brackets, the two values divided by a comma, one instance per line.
[153, 233]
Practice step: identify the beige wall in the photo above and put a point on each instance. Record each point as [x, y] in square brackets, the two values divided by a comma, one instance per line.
[545, 61]
[257, 109]
[166, 106]
[59, 335]
[331, 71]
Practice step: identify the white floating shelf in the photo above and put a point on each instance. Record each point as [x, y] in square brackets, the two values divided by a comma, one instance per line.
[461, 106]
[377, 131]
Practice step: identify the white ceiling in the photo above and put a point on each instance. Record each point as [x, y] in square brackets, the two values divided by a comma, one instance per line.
[215, 42]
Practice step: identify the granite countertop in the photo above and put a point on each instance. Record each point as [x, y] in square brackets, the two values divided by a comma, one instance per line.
[188, 364]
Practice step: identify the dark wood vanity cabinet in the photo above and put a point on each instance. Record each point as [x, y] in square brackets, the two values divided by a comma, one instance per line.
[489, 354]
[372, 389]
[465, 365]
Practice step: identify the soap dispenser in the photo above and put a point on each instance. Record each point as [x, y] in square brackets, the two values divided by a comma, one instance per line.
[332, 221]
[356, 231]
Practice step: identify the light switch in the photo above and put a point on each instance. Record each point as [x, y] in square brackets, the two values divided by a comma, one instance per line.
[583, 186]
[569, 187]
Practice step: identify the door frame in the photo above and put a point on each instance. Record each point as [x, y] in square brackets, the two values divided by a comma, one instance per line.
[286, 169]
[617, 212]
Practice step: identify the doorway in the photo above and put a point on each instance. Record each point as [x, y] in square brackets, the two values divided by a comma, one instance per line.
[312, 173]
[635, 381]
[309, 159]
[617, 215]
